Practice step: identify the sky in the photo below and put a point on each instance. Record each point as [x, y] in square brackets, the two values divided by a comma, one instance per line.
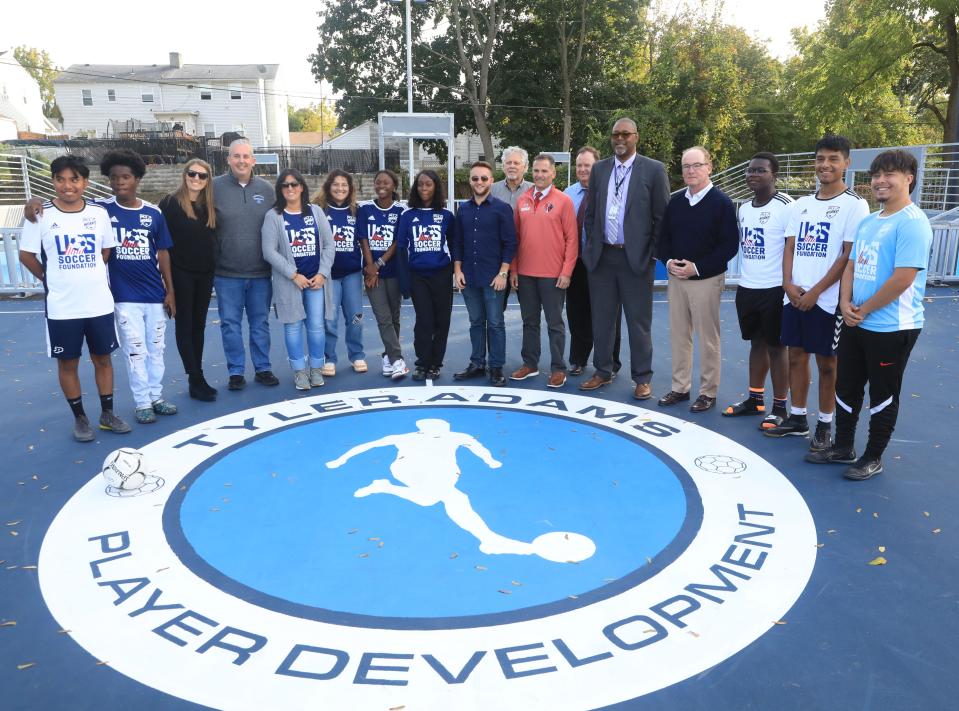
[205, 36]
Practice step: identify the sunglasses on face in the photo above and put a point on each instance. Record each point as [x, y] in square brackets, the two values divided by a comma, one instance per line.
[480, 178]
[288, 186]
[623, 135]
[197, 174]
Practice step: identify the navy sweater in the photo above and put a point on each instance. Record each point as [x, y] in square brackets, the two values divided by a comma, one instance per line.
[707, 234]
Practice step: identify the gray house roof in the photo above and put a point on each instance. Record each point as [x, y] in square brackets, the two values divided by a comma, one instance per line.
[91, 73]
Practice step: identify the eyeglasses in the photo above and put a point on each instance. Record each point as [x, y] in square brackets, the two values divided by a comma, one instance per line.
[623, 134]
[693, 166]
[757, 171]
[289, 186]
[197, 174]
[480, 178]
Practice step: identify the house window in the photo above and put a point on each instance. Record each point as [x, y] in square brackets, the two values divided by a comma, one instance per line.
[146, 97]
[87, 97]
[209, 130]
[206, 95]
[236, 92]
[112, 95]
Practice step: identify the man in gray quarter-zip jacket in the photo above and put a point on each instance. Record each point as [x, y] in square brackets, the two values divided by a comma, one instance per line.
[242, 278]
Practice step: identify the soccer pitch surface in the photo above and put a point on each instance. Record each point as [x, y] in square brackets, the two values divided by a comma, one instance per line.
[379, 545]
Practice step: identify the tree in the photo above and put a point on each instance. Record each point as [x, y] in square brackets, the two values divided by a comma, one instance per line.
[320, 118]
[39, 65]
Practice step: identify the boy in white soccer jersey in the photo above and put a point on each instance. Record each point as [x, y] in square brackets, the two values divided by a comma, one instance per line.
[140, 280]
[818, 241]
[759, 297]
[67, 249]
[881, 295]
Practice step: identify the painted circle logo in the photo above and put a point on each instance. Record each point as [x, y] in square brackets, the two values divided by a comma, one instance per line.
[458, 548]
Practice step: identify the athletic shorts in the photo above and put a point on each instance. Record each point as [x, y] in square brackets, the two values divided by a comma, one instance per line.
[760, 313]
[65, 336]
[815, 331]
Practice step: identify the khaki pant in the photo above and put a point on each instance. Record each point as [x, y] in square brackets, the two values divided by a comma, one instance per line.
[694, 308]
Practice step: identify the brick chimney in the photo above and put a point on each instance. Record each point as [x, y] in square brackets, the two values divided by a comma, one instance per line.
[176, 60]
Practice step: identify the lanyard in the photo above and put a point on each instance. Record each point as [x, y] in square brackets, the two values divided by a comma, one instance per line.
[619, 183]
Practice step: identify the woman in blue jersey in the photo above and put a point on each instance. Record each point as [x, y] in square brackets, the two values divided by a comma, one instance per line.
[345, 289]
[378, 222]
[298, 244]
[426, 230]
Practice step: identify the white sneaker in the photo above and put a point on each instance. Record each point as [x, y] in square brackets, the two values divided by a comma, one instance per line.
[328, 370]
[359, 365]
[301, 379]
[399, 369]
[387, 366]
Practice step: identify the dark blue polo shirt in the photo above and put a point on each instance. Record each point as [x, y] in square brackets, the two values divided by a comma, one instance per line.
[486, 238]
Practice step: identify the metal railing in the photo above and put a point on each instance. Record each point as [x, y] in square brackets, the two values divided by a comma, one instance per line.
[944, 258]
[22, 177]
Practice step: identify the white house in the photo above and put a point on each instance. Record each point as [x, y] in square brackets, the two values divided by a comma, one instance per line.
[467, 145]
[205, 99]
[21, 108]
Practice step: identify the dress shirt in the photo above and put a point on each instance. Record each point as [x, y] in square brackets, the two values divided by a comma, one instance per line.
[502, 191]
[696, 197]
[577, 192]
[485, 240]
[622, 171]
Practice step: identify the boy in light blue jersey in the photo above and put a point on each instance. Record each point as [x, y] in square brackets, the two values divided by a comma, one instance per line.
[881, 298]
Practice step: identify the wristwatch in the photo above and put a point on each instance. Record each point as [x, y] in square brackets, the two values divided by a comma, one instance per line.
[380, 263]
[504, 274]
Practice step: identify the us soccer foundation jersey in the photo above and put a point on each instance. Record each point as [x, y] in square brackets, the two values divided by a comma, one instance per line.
[380, 227]
[301, 234]
[883, 244]
[348, 258]
[69, 246]
[134, 268]
[762, 238]
[820, 228]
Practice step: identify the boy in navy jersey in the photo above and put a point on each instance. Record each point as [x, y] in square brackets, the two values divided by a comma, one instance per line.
[66, 247]
[141, 281]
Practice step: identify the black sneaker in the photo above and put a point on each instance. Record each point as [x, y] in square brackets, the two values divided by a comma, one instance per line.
[864, 469]
[774, 419]
[822, 439]
[746, 407]
[832, 455]
[419, 373]
[237, 382]
[497, 377]
[433, 374]
[795, 425]
[266, 377]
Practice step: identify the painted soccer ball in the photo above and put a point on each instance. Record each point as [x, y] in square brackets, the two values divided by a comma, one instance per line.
[720, 464]
[125, 468]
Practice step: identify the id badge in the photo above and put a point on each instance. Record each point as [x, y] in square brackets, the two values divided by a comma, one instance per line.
[613, 213]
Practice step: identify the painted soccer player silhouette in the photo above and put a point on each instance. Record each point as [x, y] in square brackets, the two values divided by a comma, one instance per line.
[426, 468]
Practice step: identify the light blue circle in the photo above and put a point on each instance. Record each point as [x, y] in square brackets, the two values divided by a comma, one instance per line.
[272, 517]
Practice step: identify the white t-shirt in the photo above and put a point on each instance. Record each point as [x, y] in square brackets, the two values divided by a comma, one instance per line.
[762, 238]
[820, 228]
[69, 245]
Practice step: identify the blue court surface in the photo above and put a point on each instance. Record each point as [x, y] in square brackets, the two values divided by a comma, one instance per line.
[380, 545]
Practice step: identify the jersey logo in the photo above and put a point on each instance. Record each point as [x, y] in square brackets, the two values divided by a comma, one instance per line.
[867, 260]
[427, 238]
[309, 221]
[343, 239]
[813, 239]
[145, 220]
[89, 223]
[75, 244]
[764, 217]
[258, 199]
[832, 211]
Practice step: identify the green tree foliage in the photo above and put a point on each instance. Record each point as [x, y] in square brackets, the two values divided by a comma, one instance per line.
[39, 65]
[314, 118]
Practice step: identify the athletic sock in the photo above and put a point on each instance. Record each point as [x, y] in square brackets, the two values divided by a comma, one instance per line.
[826, 417]
[797, 411]
[757, 396]
[106, 402]
[779, 403]
[76, 405]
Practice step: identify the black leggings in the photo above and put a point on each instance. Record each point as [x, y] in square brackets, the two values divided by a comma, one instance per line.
[879, 358]
[433, 302]
[192, 292]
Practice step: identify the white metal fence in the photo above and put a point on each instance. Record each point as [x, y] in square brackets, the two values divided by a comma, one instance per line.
[22, 177]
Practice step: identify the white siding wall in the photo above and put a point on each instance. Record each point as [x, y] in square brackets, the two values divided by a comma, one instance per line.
[277, 121]
[222, 111]
[20, 98]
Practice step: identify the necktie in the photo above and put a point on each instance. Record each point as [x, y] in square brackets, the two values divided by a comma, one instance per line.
[536, 199]
[581, 212]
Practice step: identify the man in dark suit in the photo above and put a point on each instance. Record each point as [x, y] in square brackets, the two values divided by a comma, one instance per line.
[624, 211]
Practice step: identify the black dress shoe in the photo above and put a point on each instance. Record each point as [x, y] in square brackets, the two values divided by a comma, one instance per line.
[575, 369]
[703, 403]
[496, 377]
[471, 371]
[419, 373]
[672, 397]
[266, 377]
[433, 373]
[237, 382]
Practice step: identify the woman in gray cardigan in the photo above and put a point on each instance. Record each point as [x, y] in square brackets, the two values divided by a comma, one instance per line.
[298, 244]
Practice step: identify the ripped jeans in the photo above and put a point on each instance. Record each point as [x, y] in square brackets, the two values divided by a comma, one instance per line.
[347, 297]
[142, 329]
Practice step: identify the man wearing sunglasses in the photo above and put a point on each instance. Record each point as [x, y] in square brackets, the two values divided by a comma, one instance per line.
[483, 247]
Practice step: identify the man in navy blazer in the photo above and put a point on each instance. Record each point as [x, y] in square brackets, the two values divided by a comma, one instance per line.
[627, 198]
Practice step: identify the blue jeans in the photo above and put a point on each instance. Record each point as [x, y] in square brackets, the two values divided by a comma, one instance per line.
[485, 307]
[232, 296]
[347, 297]
[315, 332]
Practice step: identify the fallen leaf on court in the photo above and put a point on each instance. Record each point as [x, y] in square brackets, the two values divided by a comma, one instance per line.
[397, 708]
[573, 597]
[214, 508]
[915, 394]
[100, 664]
[879, 560]
[859, 510]
[21, 667]
[505, 592]
[364, 555]
[480, 567]
[694, 634]
[820, 545]
[517, 583]
[13, 523]
[649, 561]
[160, 570]
[8, 623]
[615, 483]
[454, 555]
[937, 530]
[183, 488]
[779, 622]
[228, 484]
[14, 533]
[882, 549]
[373, 538]
[352, 531]
[926, 514]
[380, 544]
[28, 567]
[44, 487]
[832, 531]
[35, 477]
[63, 631]
[875, 515]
